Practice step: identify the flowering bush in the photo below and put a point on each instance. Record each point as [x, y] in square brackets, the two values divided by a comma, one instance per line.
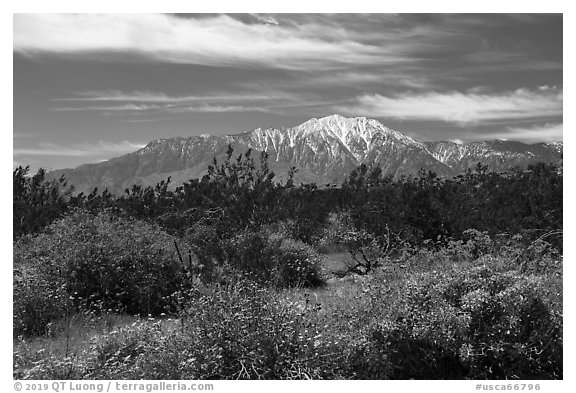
[95, 261]
[295, 263]
[241, 331]
[37, 301]
[272, 258]
[486, 318]
[469, 322]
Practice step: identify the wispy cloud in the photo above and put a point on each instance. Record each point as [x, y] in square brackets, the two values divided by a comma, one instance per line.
[160, 109]
[392, 79]
[115, 101]
[547, 132]
[216, 41]
[108, 108]
[461, 108]
[144, 120]
[160, 97]
[213, 109]
[102, 148]
[266, 19]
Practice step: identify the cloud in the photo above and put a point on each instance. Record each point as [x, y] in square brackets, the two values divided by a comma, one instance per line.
[214, 41]
[391, 78]
[545, 132]
[213, 108]
[140, 121]
[462, 108]
[161, 109]
[268, 19]
[160, 97]
[109, 108]
[79, 150]
[119, 102]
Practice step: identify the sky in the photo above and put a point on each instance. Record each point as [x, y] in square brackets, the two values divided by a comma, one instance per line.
[88, 87]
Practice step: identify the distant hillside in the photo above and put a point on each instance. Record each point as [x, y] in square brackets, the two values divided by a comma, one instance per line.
[323, 150]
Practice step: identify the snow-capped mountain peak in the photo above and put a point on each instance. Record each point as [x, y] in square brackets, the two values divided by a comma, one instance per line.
[355, 134]
[324, 150]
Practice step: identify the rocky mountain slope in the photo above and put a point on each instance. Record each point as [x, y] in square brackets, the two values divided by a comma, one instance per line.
[324, 151]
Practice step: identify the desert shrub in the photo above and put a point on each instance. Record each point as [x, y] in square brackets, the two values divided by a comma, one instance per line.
[415, 334]
[231, 325]
[238, 331]
[206, 244]
[54, 368]
[117, 352]
[472, 245]
[480, 319]
[538, 257]
[474, 322]
[274, 259]
[515, 333]
[367, 250]
[37, 200]
[478, 278]
[248, 252]
[106, 261]
[477, 242]
[296, 264]
[394, 353]
[37, 301]
[501, 252]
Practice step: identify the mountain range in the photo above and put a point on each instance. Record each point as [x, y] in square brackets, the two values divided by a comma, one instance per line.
[323, 150]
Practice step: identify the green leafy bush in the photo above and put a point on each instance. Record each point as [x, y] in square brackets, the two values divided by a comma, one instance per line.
[516, 333]
[239, 331]
[395, 353]
[37, 301]
[37, 200]
[53, 367]
[105, 261]
[273, 259]
[248, 252]
[477, 322]
[482, 318]
[296, 264]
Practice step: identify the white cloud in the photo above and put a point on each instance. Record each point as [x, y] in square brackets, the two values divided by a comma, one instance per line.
[220, 40]
[119, 102]
[266, 19]
[213, 108]
[161, 109]
[532, 133]
[109, 108]
[462, 108]
[545, 132]
[79, 150]
[392, 77]
[160, 97]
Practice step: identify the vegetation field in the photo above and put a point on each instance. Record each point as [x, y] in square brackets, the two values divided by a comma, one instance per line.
[235, 276]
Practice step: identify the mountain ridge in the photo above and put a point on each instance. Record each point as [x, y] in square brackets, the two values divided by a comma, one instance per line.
[324, 150]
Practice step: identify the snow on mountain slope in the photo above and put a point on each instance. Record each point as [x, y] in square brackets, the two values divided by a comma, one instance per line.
[498, 154]
[324, 150]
